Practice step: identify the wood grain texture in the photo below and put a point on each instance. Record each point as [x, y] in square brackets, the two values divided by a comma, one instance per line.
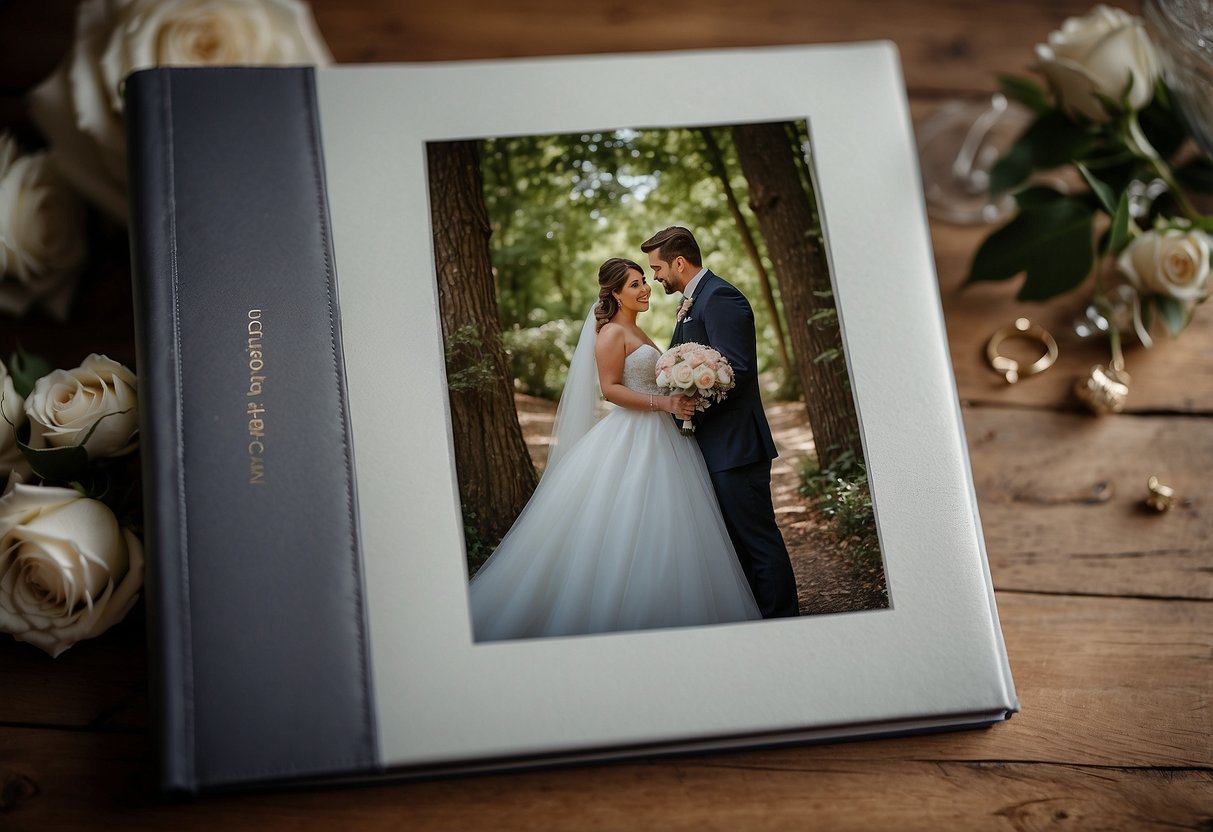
[946, 46]
[90, 781]
[1066, 514]
[1103, 682]
[1106, 609]
[1175, 375]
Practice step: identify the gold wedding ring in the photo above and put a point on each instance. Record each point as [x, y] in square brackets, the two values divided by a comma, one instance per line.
[1009, 367]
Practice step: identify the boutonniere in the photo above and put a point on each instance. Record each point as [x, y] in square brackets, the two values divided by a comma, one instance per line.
[687, 303]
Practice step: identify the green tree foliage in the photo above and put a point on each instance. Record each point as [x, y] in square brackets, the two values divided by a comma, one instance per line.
[561, 205]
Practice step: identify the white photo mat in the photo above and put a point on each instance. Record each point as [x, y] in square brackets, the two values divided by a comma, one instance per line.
[934, 656]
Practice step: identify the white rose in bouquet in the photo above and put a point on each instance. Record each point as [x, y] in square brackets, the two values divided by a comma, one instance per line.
[79, 107]
[97, 396]
[683, 375]
[1172, 262]
[67, 570]
[1097, 55]
[42, 244]
[705, 377]
[12, 407]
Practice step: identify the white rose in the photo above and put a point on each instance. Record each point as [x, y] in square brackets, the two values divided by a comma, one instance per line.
[705, 377]
[42, 247]
[67, 571]
[12, 406]
[1097, 54]
[663, 379]
[683, 375]
[1172, 262]
[725, 376]
[79, 107]
[66, 404]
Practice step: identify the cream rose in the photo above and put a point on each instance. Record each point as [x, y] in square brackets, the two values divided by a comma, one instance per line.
[42, 247]
[725, 376]
[67, 571]
[663, 379]
[79, 107]
[12, 406]
[1173, 262]
[705, 377]
[1097, 54]
[66, 404]
[683, 375]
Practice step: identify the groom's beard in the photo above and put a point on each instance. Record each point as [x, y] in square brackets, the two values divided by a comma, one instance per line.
[669, 290]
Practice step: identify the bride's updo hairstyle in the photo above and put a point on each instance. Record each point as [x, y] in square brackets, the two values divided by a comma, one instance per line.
[611, 277]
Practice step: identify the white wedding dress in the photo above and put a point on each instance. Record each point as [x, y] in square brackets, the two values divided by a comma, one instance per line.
[622, 533]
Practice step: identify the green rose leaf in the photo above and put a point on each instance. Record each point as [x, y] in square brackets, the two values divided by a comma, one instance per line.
[1011, 169]
[1119, 235]
[1050, 240]
[68, 464]
[1173, 313]
[1050, 141]
[1162, 126]
[25, 369]
[1055, 140]
[1106, 197]
[1037, 196]
[1025, 91]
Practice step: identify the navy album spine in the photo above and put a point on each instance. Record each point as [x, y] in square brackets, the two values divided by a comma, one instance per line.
[153, 242]
[259, 654]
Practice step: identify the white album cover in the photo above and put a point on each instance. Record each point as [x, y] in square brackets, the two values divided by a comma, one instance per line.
[932, 657]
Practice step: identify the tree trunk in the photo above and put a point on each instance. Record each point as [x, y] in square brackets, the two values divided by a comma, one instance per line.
[747, 240]
[496, 476]
[785, 218]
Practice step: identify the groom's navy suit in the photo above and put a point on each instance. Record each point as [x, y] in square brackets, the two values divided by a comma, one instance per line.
[736, 443]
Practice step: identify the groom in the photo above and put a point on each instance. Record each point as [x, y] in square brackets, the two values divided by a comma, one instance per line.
[733, 434]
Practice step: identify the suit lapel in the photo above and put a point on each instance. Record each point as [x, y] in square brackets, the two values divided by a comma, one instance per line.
[701, 293]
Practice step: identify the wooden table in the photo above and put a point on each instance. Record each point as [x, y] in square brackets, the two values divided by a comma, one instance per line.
[1105, 607]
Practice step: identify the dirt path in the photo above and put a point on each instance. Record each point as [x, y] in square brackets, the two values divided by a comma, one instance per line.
[826, 580]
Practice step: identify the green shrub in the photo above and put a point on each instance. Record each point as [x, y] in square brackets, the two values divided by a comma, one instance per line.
[478, 549]
[468, 367]
[539, 356]
[841, 493]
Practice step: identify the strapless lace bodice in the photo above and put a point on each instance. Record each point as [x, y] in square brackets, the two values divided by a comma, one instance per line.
[640, 370]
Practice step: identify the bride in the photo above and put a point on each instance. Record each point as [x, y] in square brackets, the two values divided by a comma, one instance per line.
[623, 531]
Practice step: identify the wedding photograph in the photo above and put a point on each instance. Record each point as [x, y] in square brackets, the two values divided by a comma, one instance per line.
[651, 414]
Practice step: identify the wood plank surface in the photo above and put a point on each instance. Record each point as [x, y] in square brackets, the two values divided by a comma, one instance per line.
[946, 46]
[1103, 682]
[1105, 608]
[83, 780]
[1175, 375]
[1067, 514]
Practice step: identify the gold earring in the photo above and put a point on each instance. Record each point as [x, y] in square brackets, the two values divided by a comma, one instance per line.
[1162, 497]
[1009, 367]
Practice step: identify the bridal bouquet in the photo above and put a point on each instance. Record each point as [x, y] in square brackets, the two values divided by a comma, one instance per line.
[694, 370]
[70, 564]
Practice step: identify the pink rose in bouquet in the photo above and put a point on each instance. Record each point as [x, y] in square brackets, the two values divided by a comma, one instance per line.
[697, 371]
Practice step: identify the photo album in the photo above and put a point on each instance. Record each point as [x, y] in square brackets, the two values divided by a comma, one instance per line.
[506, 414]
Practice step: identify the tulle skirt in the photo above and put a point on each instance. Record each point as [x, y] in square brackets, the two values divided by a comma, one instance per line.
[623, 533]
